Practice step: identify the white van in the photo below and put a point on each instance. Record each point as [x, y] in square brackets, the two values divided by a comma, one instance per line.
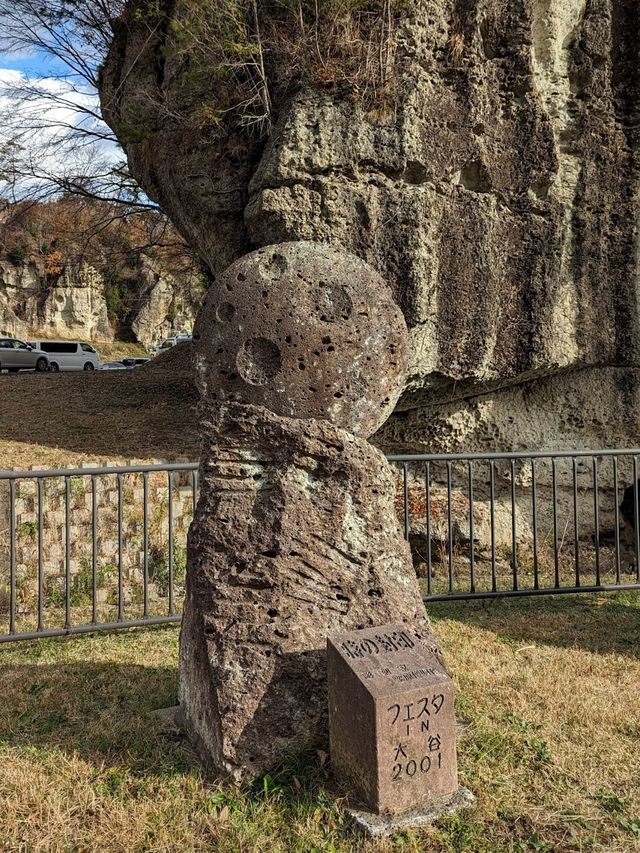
[69, 355]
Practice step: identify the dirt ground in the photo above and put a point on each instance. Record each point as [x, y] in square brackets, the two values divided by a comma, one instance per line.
[61, 419]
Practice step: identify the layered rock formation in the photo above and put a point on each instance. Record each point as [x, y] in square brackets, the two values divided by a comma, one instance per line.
[498, 195]
[74, 303]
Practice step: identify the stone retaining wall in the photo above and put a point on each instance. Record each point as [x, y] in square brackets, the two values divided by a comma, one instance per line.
[54, 543]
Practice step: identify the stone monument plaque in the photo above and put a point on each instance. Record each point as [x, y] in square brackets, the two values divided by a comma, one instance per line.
[391, 719]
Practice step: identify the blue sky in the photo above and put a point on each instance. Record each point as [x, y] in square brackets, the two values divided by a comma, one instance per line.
[48, 115]
[34, 64]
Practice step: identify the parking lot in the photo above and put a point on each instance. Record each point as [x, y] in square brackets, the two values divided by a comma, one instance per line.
[19, 356]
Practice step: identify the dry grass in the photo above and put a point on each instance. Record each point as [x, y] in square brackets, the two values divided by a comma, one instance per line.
[117, 350]
[549, 689]
[68, 418]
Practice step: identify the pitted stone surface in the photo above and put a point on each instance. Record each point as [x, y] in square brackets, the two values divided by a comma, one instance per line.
[498, 199]
[306, 331]
[294, 539]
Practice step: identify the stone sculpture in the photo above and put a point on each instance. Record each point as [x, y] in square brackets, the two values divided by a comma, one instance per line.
[301, 354]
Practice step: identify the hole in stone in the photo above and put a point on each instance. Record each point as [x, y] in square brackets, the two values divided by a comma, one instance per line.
[271, 554]
[474, 176]
[272, 612]
[341, 597]
[326, 339]
[241, 276]
[225, 312]
[337, 395]
[278, 264]
[288, 339]
[259, 361]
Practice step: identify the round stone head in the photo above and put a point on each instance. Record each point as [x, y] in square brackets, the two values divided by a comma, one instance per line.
[307, 332]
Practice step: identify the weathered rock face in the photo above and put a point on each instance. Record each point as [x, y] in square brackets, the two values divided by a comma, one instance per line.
[166, 305]
[499, 198]
[294, 538]
[74, 304]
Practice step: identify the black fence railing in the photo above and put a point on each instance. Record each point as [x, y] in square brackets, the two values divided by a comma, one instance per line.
[101, 548]
[93, 548]
[497, 524]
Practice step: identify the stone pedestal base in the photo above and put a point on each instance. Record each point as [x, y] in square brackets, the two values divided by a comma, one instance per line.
[295, 539]
[376, 826]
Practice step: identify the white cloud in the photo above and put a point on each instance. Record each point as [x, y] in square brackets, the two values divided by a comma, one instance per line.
[56, 126]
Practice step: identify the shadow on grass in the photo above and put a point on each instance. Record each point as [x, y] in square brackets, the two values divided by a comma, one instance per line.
[606, 624]
[99, 712]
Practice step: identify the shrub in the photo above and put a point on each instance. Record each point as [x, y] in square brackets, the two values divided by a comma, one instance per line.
[28, 529]
[16, 255]
[159, 567]
[244, 57]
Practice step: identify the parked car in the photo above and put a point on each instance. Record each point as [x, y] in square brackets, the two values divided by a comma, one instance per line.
[113, 365]
[135, 362]
[18, 355]
[171, 342]
[69, 355]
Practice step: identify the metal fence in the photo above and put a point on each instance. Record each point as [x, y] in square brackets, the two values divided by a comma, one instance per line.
[102, 548]
[515, 524]
[93, 548]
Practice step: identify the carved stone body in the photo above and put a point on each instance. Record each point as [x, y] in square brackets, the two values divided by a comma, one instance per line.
[295, 538]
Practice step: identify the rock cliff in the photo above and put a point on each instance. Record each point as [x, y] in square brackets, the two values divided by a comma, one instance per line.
[74, 303]
[498, 194]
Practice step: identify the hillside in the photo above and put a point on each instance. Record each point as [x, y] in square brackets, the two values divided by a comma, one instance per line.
[65, 419]
[72, 268]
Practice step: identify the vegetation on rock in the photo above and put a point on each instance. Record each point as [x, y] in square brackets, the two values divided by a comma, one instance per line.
[125, 252]
[256, 53]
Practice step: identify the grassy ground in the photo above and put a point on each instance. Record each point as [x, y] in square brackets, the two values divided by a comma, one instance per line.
[549, 688]
[63, 419]
[116, 350]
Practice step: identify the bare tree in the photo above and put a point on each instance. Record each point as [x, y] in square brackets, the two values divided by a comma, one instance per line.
[54, 143]
[52, 136]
